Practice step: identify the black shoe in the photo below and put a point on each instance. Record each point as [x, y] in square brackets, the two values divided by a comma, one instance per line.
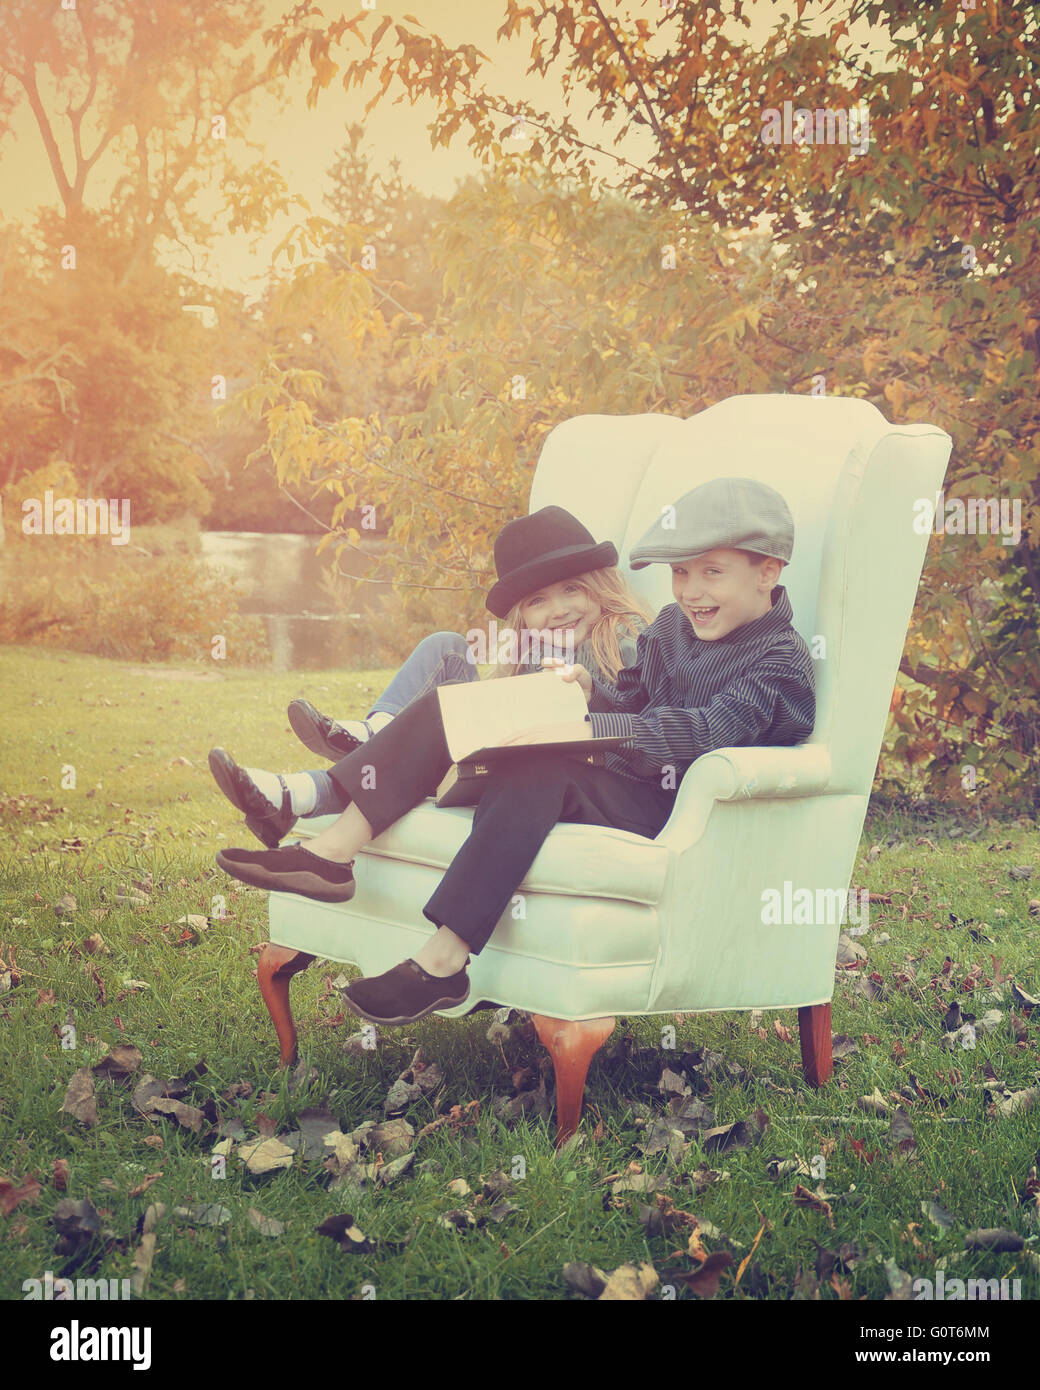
[290, 869]
[268, 823]
[321, 734]
[405, 994]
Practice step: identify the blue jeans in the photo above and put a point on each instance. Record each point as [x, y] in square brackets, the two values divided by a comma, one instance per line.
[439, 659]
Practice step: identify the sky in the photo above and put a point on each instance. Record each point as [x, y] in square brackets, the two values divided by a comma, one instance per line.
[303, 141]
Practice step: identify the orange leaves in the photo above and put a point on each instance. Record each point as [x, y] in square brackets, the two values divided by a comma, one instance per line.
[896, 392]
[12, 1193]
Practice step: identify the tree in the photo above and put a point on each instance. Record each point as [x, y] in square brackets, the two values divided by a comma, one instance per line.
[98, 364]
[907, 275]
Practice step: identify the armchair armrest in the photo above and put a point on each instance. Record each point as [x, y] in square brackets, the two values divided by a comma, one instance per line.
[733, 774]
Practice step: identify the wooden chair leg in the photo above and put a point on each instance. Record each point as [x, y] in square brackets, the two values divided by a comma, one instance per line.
[275, 968]
[814, 1034]
[572, 1047]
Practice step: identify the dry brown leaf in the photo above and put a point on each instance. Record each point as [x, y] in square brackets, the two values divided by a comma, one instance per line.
[79, 1099]
[142, 1264]
[122, 1061]
[187, 1115]
[266, 1225]
[266, 1156]
[12, 1193]
[804, 1198]
[144, 1184]
[704, 1282]
[630, 1283]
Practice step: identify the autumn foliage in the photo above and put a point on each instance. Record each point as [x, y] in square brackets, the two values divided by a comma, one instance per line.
[576, 276]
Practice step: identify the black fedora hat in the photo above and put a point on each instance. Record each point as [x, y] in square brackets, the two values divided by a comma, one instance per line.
[543, 548]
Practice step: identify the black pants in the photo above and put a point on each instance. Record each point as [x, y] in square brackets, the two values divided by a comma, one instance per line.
[403, 764]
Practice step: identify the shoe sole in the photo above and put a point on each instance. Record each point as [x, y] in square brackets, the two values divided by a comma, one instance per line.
[403, 1018]
[310, 735]
[306, 884]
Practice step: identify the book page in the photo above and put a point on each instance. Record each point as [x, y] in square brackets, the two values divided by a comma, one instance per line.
[481, 714]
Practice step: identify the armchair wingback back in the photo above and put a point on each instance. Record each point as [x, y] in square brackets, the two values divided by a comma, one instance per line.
[850, 479]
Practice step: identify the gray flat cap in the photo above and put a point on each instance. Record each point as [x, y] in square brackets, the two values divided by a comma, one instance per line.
[727, 513]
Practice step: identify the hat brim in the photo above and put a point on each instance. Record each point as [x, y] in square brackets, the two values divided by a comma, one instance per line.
[672, 557]
[548, 569]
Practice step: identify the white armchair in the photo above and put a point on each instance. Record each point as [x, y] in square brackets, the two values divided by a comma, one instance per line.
[608, 922]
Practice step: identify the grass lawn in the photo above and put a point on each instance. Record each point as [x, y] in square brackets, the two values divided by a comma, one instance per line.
[821, 1197]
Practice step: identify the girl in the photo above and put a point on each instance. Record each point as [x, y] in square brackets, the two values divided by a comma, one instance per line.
[556, 584]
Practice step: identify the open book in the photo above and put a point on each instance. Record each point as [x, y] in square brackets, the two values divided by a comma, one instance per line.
[479, 715]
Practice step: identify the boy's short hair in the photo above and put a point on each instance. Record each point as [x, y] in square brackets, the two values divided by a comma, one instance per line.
[754, 558]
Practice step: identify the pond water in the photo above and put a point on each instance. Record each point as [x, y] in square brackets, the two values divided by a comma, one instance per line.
[281, 580]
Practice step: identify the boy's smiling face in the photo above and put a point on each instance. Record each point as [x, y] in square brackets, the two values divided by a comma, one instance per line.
[721, 590]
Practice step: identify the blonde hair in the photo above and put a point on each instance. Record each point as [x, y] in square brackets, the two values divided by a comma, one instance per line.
[619, 608]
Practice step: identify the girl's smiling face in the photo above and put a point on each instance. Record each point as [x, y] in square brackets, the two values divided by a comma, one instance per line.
[565, 608]
[722, 590]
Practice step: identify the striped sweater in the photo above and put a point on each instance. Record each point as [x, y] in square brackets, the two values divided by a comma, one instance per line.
[685, 696]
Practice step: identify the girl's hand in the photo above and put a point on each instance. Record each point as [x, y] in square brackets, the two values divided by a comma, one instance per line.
[578, 673]
[551, 733]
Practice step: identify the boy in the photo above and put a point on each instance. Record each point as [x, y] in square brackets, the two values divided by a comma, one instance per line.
[721, 667]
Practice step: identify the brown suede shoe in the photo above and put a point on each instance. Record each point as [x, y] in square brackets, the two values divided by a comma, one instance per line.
[405, 994]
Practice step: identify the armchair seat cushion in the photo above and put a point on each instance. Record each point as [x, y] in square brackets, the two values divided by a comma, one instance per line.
[576, 861]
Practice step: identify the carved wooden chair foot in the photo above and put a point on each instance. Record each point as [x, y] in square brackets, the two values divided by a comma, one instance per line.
[275, 968]
[572, 1047]
[814, 1034]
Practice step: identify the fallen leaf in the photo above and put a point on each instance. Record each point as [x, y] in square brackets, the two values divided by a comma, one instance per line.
[12, 1194]
[76, 1223]
[396, 1168]
[993, 1238]
[704, 1282]
[152, 1216]
[938, 1215]
[266, 1156]
[803, 1197]
[120, 1063]
[629, 1283]
[79, 1099]
[901, 1132]
[347, 1234]
[1016, 1103]
[899, 1282]
[205, 1214]
[874, 1104]
[142, 1264]
[187, 1115]
[266, 1225]
[144, 1184]
[585, 1278]
[392, 1138]
[1026, 1002]
[639, 1182]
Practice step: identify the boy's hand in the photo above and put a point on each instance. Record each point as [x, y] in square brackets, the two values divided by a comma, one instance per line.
[552, 733]
[578, 673]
